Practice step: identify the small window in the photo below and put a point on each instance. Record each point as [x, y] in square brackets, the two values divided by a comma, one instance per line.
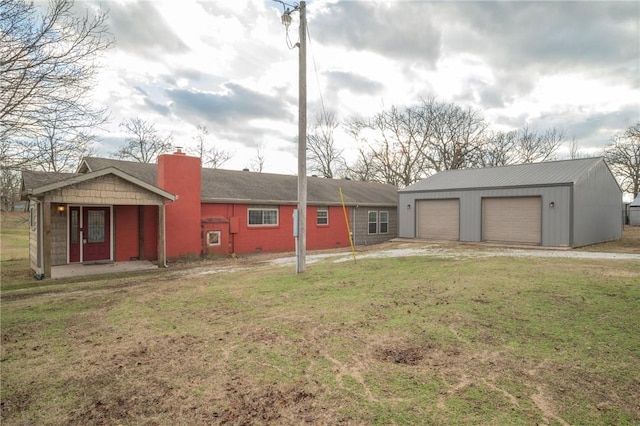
[373, 222]
[213, 238]
[322, 216]
[96, 226]
[263, 217]
[384, 222]
[75, 226]
[33, 214]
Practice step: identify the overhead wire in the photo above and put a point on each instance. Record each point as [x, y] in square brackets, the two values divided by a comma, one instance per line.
[315, 69]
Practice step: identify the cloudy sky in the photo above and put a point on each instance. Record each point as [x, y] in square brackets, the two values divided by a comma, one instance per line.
[226, 65]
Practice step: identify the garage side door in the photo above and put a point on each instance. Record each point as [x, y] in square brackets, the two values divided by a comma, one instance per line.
[512, 220]
[438, 219]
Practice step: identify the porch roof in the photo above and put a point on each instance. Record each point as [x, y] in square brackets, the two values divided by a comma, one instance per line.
[37, 183]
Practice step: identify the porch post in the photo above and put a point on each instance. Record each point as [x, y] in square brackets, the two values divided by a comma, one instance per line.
[162, 249]
[46, 238]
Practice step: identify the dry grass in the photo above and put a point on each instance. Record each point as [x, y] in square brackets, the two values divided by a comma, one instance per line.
[14, 228]
[411, 340]
[387, 341]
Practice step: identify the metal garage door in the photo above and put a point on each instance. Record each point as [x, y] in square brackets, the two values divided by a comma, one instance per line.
[512, 220]
[438, 219]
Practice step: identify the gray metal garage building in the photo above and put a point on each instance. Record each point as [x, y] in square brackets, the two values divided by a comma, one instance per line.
[568, 203]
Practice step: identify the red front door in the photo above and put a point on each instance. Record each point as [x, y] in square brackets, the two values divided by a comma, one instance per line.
[74, 234]
[96, 233]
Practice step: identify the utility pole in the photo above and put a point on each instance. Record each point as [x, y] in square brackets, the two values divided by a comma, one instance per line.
[300, 232]
[301, 249]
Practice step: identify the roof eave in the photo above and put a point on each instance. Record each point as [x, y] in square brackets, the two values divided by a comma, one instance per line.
[483, 188]
[92, 175]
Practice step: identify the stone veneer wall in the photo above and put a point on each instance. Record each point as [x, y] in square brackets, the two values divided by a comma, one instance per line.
[58, 237]
[104, 190]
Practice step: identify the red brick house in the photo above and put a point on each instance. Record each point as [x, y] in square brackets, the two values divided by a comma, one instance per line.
[119, 211]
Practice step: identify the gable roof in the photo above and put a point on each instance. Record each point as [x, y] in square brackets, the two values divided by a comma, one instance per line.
[33, 181]
[550, 173]
[219, 185]
[636, 202]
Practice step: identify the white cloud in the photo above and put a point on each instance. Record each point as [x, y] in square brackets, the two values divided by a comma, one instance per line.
[226, 64]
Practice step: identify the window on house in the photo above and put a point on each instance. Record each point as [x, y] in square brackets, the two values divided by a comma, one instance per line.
[373, 222]
[75, 226]
[322, 216]
[263, 216]
[33, 212]
[213, 238]
[96, 226]
[384, 222]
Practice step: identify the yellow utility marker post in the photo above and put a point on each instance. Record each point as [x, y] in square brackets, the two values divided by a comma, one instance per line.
[346, 220]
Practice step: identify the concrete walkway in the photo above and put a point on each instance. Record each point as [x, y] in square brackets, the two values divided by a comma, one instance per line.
[80, 269]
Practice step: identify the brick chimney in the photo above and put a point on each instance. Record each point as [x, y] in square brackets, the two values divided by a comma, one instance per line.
[180, 174]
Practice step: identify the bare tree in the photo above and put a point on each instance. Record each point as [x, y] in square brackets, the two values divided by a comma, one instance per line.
[394, 141]
[257, 164]
[574, 150]
[10, 181]
[364, 168]
[407, 144]
[209, 155]
[48, 66]
[61, 145]
[498, 149]
[517, 147]
[455, 135]
[145, 144]
[534, 147]
[325, 158]
[623, 156]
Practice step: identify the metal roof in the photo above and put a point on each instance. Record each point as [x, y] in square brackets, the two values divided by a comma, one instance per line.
[522, 175]
[219, 185]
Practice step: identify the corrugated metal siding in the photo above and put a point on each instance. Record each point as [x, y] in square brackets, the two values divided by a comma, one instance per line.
[597, 204]
[634, 216]
[550, 173]
[555, 220]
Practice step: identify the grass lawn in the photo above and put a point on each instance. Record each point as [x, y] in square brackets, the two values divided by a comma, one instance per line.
[413, 340]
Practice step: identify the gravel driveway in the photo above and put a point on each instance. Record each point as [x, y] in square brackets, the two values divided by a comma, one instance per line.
[458, 253]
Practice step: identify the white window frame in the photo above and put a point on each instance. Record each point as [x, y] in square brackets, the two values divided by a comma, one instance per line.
[380, 221]
[322, 209]
[217, 239]
[369, 222]
[262, 209]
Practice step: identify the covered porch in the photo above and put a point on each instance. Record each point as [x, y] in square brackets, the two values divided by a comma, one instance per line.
[94, 223]
[79, 269]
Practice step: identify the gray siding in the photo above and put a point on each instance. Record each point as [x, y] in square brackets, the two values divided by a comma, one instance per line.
[597, 204]
[634, 216]
[360, 225]
[35, 223]
[555, 220]
[58, 237]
